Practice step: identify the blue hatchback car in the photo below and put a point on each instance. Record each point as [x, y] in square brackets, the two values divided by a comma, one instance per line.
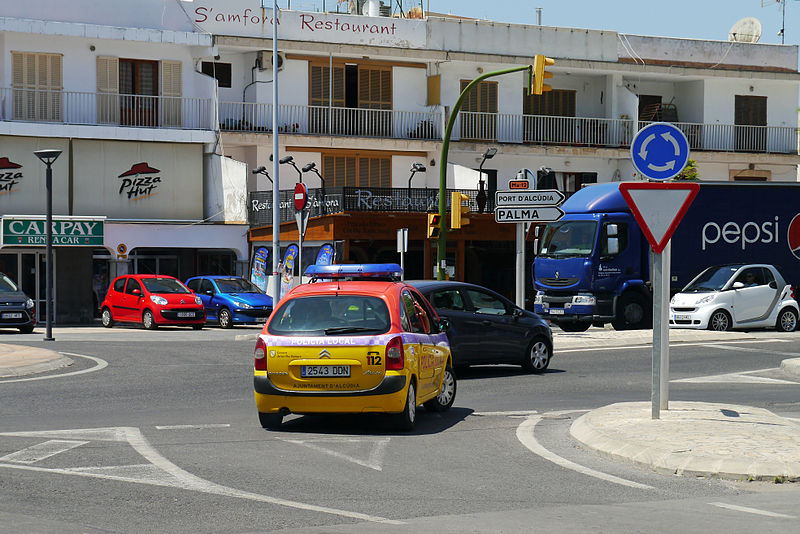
[231, 300]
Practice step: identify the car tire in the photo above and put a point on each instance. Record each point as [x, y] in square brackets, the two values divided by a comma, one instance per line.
[447, 395]
[573, 326]
[720, 321]
[106, 318]
[538, 356]
[633, 313]
[270, 421]
[197, 327]
[148, 321]
[27, 329]
[408, 417]
[225, 318]
[787, 320]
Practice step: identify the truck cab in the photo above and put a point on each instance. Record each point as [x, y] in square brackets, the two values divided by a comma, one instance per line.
[592, 266]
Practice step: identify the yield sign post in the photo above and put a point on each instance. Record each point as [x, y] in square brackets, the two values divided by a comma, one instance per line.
[658, 208]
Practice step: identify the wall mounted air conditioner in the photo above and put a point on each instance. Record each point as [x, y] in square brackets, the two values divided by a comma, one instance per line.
[265, 60]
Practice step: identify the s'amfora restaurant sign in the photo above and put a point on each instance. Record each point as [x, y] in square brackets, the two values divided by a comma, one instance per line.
[67, 231]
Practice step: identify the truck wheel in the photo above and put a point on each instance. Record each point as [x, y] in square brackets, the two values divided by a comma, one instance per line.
[719, 321]
[633, 313]
[573, 326]
[787, 320]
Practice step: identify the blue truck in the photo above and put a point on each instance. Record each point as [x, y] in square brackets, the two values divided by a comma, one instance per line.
[593, 265]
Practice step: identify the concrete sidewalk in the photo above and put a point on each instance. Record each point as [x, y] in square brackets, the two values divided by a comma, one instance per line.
[691, 438]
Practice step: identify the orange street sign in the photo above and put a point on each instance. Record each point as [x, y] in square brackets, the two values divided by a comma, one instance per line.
[518, 184]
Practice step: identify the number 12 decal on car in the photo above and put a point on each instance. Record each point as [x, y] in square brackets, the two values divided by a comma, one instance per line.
[373, 358]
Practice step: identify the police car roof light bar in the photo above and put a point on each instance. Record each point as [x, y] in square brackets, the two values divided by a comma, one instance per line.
[361, 271]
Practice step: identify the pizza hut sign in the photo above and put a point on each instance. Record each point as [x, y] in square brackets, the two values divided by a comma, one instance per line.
[10, 175]
[140, 181]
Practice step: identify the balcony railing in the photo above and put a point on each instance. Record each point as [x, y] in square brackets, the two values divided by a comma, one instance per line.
[103, 109]
[734, 138]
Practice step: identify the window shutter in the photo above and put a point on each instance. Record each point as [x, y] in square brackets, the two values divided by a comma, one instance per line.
[171, 92]
[18, 83]
[107, 90]
[37, 82]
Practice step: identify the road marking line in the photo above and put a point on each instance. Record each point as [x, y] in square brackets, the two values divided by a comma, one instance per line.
[510, 414]
[192, 427]
[751, 510]
[525, 434]
[676, 344]
[747, 349]
[374, 458]
[171, 475]
[101, 364]
[40, 451]
[736, 378]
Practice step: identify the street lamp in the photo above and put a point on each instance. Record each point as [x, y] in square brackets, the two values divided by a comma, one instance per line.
[48, 157]
[415, 168]
[313, 167]
[480, 198]
[290, 160]
[263, 170]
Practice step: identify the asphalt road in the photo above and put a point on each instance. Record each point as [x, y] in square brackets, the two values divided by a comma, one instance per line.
[165, 438]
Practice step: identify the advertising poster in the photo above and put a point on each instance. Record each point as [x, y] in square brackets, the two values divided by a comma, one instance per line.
[326, 254]
[258, 274]
[287, 278]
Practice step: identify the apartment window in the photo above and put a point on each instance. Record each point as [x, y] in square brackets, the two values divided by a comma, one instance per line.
[555, 103]
[750, 118]
[350, 88]
[649, 108]
[219, 71]
[357, 170]
[37, 85]
[479, 112]
[549, 117]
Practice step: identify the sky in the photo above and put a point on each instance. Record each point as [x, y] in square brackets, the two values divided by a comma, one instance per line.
[696, 19]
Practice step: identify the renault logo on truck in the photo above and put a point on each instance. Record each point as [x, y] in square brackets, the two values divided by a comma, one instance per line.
[748, 233]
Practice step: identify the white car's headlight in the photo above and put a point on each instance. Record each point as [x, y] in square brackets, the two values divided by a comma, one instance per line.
[158, 300]
[197, 300]
[29, 304]
[705, 300]
[584, 300]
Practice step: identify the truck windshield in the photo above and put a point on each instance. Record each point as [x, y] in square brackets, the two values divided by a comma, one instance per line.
[712, 279]
[568, 239]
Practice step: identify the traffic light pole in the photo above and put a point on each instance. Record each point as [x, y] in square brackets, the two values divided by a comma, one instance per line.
[442, 243]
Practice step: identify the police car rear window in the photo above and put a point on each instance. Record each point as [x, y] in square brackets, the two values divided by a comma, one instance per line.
[331, 315]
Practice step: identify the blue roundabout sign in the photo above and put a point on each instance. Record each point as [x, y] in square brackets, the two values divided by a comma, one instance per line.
[659, 151]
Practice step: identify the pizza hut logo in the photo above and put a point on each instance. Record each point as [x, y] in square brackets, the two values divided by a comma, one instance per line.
[138, 182]
[10, 175]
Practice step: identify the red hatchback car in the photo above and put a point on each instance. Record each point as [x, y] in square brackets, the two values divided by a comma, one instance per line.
[151, 300]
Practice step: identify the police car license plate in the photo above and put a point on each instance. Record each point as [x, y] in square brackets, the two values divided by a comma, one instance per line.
[556, 311]
[185, 314]
[16, 315]
[325, 371]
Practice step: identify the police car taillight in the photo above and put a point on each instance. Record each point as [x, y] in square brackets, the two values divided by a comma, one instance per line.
[261, 355]
[394, 354]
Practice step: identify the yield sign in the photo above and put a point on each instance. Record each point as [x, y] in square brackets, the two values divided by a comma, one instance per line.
[658, 207]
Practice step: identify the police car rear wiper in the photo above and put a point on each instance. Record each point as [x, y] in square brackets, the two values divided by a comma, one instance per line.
[349, 330]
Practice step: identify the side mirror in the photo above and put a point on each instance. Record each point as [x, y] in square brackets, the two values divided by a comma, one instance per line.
[737, 285]
[136, 292]
[773, 284]
[613, 245]
[444, 324]
[517, 313]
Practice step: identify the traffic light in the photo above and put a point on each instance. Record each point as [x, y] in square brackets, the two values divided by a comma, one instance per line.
[433, 225]
[458, 211]
[540, 63]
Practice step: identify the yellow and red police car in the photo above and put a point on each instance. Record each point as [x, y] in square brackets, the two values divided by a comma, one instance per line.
[354, 340]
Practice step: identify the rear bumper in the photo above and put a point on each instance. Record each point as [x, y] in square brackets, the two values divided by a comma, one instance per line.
[389, 396]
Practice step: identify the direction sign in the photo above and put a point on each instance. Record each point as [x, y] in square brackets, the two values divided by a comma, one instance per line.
[658, 207]
[518, 214]
[659, 151]
[300, 196]
[543, 197]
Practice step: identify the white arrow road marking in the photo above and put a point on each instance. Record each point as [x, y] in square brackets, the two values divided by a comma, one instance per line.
[643, 150]
[101, 364]
[366, 452]
[525, 434]
[759, 351]
[40, 451]
[668, 137]
[751, 510]
[736, 378]
[193, 427]
[162, 472]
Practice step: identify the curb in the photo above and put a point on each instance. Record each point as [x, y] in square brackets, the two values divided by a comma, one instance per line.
[40, 367]
[791, 367]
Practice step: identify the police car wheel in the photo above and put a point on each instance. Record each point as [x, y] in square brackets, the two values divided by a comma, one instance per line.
[447, 396]
[787, 321]
[270, 421]
[537, 359]
[409, 415]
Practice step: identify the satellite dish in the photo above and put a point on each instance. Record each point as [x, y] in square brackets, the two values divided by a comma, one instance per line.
[747, 30]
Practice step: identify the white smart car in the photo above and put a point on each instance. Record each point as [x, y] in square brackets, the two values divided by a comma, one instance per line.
[736, 296]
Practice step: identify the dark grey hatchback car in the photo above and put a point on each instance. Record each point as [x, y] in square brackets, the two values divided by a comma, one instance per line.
[487, 328]
[16, 309]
